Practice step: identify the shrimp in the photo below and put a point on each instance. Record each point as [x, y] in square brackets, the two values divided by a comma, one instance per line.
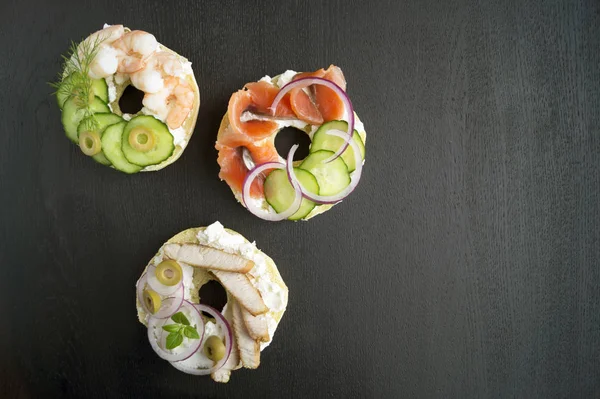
[150, 79]
[104, 64]
[107, 35]
[105, 61]
[173, 103]
[134, 48]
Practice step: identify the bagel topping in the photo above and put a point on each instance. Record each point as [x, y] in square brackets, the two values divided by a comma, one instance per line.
[214, 348]
[216, 236]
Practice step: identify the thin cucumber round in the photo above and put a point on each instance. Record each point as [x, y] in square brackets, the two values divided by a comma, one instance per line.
[99, 88]
[332, 177]
[279, 192]
[111, 145]
[101, 158]
[323, 141]
[163, 146]
[72, 115]
[63, 93]
[103, 120]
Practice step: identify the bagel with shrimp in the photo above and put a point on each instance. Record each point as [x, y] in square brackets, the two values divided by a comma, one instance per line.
[274, 188]
[94, 77]
[198, 339]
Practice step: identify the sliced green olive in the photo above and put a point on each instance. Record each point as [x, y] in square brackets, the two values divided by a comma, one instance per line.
[152, 300]
[168, 272]
[141, 139]
[214, 348]
[90, 143]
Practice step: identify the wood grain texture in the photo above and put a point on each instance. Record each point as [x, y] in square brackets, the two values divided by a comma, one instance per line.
[465, 265]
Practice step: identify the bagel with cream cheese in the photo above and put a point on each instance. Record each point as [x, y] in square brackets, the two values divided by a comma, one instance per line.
[94, 77]
[256, 300]
[314, 102]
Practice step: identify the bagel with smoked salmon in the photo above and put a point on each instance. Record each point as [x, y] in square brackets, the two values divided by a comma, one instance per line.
[274, 188]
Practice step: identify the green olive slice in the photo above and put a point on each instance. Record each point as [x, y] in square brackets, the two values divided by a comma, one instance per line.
[152, 300]
[214, 348]
[141, 139]
[168, 272]
[90, 143]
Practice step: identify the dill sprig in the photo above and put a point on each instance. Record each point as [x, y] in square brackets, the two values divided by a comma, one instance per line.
[74, 81]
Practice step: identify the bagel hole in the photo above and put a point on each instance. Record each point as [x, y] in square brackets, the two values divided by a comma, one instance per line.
[287, 137]
[131, 100]
[214, 295]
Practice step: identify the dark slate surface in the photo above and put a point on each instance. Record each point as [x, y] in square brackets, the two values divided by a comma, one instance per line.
[466, 265]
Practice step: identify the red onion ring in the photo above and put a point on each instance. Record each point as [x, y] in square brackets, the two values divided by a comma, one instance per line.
[159, 287]
[330, 199]
[164, 311]
[139, 288]
[261, 213]
[304, 82]
[224, 325]
[155, 323]
[169, 309]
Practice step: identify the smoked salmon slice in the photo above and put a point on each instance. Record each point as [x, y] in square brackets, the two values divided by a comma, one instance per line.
[323, 104]
[233, 169]
[263, 94]
[241, 102]
[304, 107]
[328, 102]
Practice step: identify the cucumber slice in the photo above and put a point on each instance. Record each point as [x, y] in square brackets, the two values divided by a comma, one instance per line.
[332, 177]
[111, 145]
[103, 121]
[99, 88]
[323, 141]
[163, 145]
[279, 192]
[72, 115]
[101, 158]
[62, 94]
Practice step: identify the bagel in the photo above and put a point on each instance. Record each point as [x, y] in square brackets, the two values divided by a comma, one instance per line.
[256, 294]
[247, 132]
[92, 82]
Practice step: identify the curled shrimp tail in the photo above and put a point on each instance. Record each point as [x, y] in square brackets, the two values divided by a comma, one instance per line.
[134, 49]
[173, 103]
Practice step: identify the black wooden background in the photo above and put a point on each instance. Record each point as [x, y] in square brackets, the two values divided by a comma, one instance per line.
[465, 265]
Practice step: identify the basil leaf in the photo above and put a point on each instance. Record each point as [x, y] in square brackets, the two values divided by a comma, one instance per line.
[172, 328]
[191, 332]
[174, 340]
[180, 318]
